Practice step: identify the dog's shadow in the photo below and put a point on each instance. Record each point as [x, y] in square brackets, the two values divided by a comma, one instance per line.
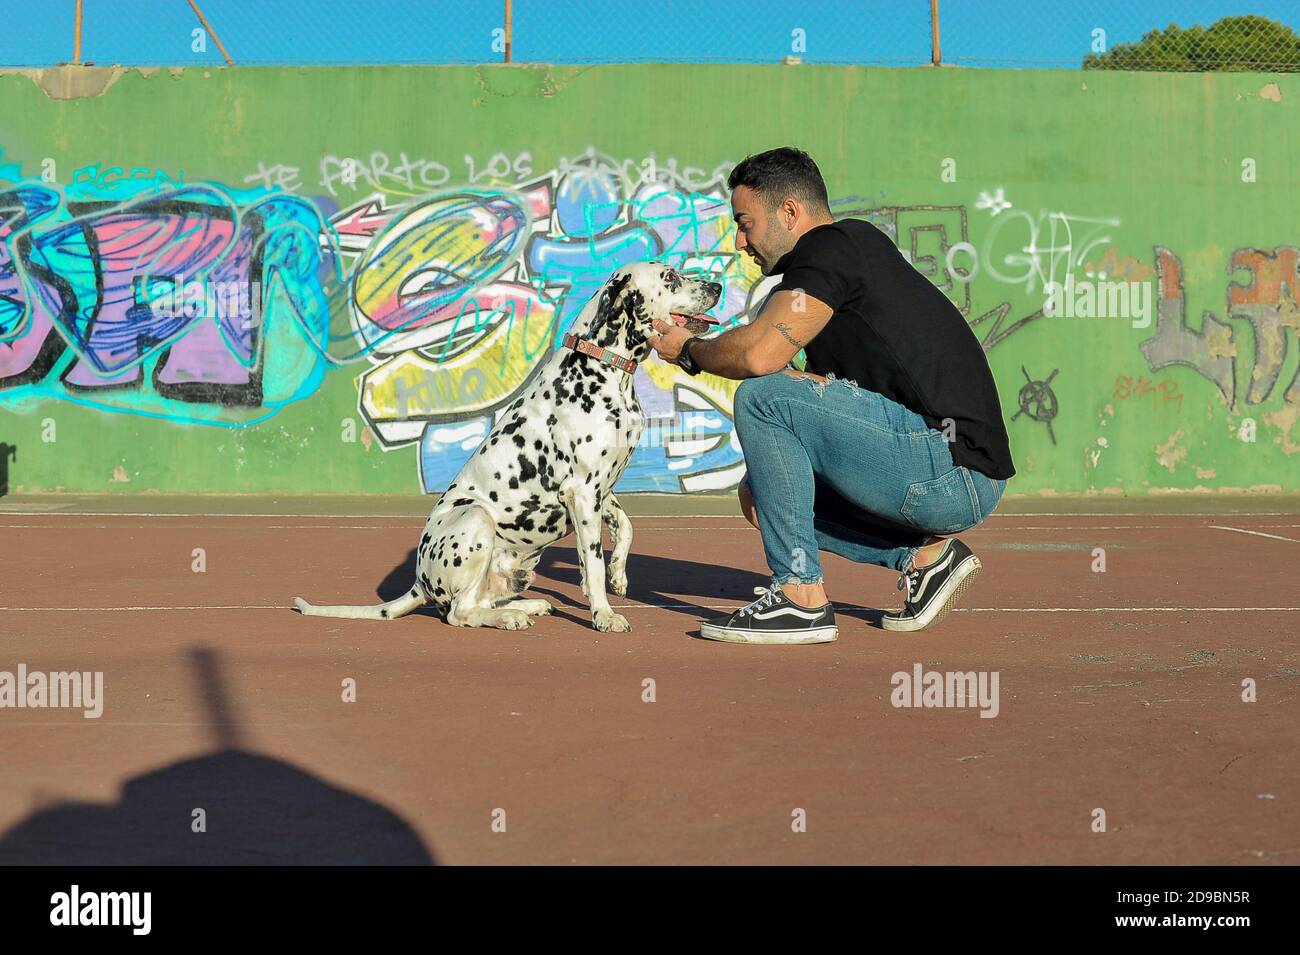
[664, 582]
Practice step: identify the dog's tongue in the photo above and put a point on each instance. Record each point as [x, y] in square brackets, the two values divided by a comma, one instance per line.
[687, 321]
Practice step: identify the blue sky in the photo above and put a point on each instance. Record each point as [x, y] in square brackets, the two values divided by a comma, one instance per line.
[1009, 33]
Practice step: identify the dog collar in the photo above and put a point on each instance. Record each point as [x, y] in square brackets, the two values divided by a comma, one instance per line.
[604, 355]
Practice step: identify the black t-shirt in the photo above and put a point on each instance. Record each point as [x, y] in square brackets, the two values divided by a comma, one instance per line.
[895, 333]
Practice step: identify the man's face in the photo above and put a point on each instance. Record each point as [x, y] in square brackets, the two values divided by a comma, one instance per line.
[758, 229]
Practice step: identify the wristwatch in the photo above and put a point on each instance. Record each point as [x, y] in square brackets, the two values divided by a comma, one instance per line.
[684, 359]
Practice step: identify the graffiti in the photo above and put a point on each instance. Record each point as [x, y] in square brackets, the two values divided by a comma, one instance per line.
[1038, 401]
[936, 240]
[995, 203]
[482, 291]
[89, 290]
[442, 293]
[1265, 297]
[346, 171]
[1209, 351]
[1268, 301]
[1126, 387]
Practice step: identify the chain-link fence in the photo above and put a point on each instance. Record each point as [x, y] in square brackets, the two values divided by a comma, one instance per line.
[1186, 35]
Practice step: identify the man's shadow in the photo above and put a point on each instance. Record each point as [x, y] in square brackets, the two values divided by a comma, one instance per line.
[255, 810]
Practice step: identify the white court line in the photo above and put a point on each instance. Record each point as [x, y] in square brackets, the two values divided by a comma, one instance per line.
[674, 517]
[394, 517]
[639, 525]
[639, 606]
[1239, 530]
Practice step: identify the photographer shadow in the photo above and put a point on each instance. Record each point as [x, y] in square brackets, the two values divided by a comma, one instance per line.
[231, 806]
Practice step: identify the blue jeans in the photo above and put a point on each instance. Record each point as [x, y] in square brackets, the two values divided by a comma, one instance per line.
[835, 467]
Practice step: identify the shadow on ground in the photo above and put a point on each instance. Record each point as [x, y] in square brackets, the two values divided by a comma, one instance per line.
[657, 580]
[258, 810]
[666, 582]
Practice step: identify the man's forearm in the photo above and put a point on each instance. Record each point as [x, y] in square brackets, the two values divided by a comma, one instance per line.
[727, 355]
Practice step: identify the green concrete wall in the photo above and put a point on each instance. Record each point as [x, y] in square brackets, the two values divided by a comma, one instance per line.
[335, 187]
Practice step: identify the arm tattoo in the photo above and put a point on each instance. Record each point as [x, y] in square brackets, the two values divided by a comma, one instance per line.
[784, 329]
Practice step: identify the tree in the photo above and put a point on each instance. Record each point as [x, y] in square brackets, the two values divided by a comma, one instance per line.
[1233, 43]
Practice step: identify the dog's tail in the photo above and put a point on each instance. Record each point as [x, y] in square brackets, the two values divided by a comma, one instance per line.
[387, 611]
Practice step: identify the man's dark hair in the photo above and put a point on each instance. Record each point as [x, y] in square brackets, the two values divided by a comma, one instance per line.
[782, 172]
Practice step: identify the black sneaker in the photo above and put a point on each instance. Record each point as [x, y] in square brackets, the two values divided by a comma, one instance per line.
[772, 618]
[931, 592]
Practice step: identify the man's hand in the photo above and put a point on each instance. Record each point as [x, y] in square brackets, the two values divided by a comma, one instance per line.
[670, 340]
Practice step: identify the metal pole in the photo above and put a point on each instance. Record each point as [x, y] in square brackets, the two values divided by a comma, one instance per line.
[508, 31]
[76, 35]
[936, 59]
[216, 39]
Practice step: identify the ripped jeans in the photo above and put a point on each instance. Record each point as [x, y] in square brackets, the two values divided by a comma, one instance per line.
[838, 468]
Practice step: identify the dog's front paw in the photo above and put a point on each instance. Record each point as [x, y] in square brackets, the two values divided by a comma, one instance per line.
[512, 620]
[618, 579]
[607, 621]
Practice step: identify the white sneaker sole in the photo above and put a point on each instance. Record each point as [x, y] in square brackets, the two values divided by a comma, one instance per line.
[939, 608]
[818, 635]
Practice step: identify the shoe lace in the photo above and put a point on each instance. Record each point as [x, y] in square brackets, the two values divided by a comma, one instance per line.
[909, 581]
[767, 597]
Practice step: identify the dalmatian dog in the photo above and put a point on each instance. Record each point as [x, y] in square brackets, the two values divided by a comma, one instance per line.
[548, 468]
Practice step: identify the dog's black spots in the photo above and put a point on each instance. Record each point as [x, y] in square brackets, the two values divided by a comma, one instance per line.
[588, 439]
[484, 448]
[527, 471]
[456, 562]
[588, 480]
[595, 545]
[509, 509]
[546, 395]
[537, 446]
[383, 614]
[519, 440]
[551, 420]
[455, 545]
[605, 452]
[494, 440]
[514, 484]
[461, 502]
[512, 426]
[492, 495]
[424, 541]
[584, 523]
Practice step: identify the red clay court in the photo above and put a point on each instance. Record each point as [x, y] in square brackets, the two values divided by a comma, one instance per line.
[1119, 690]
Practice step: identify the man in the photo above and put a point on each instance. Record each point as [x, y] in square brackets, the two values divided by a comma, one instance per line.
[892, 439]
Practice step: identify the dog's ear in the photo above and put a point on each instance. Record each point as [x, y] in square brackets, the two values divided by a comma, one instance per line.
[611, 300]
